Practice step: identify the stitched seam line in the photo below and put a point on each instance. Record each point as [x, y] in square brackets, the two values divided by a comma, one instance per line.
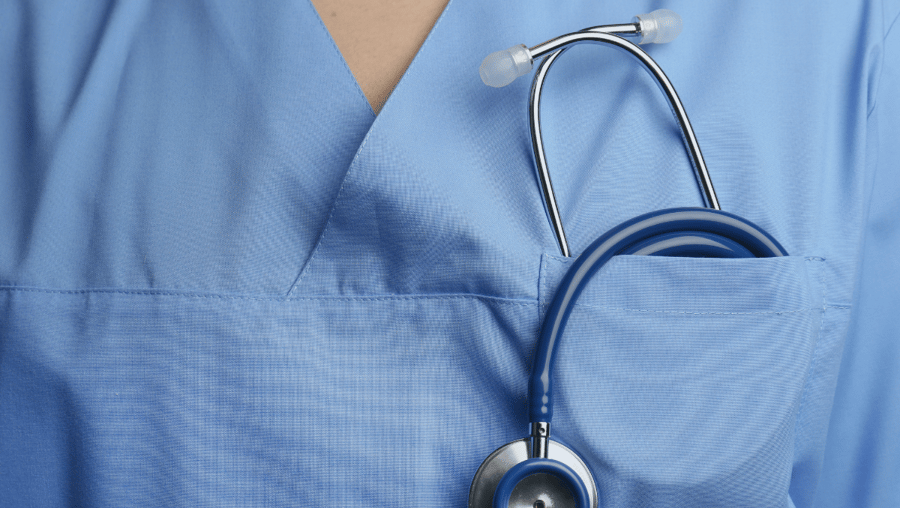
[572, 260]
[884, 37]
[542, 276]
[800, 428]
[382, 298]
[653, 311]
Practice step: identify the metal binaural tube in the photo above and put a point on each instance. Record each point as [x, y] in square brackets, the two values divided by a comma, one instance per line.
[540, 157]
[624, 30]
[501, 68]
[559, 45]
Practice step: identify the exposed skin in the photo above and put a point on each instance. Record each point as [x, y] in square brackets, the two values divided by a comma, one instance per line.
[379, 38]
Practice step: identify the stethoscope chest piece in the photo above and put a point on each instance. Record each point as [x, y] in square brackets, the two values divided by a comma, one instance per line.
[538, 490]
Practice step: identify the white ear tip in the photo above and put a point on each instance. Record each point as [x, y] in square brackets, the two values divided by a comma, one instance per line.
[503, 67]
[659, 26]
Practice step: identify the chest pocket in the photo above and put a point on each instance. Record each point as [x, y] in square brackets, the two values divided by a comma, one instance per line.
[684, 379]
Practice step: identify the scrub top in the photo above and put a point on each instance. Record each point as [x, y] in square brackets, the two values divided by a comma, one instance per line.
[225, 282]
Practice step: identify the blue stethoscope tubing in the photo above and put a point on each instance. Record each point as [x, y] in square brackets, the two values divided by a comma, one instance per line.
[685, 232]
[681, 232]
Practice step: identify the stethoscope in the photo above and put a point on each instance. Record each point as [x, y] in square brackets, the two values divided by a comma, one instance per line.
[536, 471]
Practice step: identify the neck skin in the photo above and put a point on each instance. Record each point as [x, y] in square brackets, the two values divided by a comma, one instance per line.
[379, 38]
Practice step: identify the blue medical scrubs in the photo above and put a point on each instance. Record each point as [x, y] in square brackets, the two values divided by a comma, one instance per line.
[225, 282]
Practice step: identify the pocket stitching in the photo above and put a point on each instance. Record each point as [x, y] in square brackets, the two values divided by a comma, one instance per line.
[800, 428]
[768, 312]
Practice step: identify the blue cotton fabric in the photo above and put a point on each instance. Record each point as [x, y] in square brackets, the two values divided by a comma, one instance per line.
[225, 282]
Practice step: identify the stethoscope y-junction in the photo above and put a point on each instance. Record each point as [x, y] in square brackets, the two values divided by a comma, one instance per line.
[536, 471]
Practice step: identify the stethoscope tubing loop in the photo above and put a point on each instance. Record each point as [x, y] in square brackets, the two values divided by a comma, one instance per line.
[620, 239]
[557, 47]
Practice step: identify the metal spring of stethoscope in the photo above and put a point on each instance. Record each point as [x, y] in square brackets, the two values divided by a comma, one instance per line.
[537, 472]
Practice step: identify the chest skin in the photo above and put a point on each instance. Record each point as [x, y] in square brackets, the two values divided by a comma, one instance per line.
[379, 38]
